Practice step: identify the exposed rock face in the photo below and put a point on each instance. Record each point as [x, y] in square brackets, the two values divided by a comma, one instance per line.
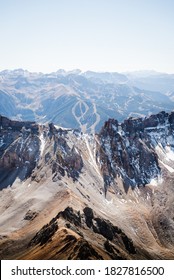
[126, 150]
[30, 215]
[69, 215]
[129, 149]
[67, 159]
[21, 148]
[98, 225]
[45, 234]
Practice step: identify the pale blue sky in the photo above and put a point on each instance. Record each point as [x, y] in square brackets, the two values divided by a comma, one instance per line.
[99, 35]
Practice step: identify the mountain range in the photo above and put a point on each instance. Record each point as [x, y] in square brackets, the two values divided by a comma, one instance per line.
[66, 194]
[83, 100]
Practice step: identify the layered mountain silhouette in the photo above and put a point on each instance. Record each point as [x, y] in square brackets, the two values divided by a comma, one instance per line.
[83, 100]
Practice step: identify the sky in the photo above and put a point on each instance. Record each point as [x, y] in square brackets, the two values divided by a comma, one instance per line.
[97, 35]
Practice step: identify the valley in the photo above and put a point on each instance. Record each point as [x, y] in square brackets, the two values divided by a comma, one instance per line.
[83, 100]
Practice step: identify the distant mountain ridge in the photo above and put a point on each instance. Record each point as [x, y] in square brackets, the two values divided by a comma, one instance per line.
[83, 100]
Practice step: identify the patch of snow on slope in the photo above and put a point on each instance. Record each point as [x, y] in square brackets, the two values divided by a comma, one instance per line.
[164, 153]
[156, 181]
[169, 153]
[169, 168]
[42, 145]
[92, 158]
[61, 127]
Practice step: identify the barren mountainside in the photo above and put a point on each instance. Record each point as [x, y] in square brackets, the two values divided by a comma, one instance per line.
[66, 194]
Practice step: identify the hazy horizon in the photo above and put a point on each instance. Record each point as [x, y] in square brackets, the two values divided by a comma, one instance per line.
[145, 71]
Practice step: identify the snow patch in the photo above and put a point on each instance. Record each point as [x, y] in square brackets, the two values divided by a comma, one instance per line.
[120, 131]
[61, 127]
[156, 181]
[42, 145]
[169, 168]
[92, 159]
[169, 153]
[164, 153]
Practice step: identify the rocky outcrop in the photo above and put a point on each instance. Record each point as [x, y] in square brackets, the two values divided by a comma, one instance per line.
[19, 150]
[69, 215]
[84, 251]
[45, 234]
[30, 215]
[67, 161]
[77, 222]
[6, 123]
[107, 230]
[22, 146]
[97, 225]
[127, 150]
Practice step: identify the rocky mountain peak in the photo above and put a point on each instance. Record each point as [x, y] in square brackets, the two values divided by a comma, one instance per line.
[26, 147]
[132, 149]
[6, 123]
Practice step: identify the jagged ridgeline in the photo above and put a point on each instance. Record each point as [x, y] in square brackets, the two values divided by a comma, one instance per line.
[109, 194]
